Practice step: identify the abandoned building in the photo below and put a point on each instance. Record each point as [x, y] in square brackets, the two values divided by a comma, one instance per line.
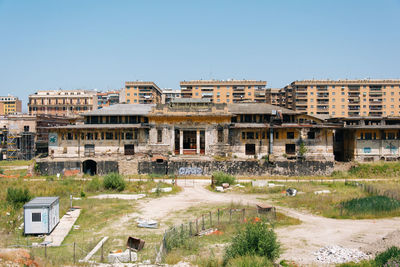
[191, 129]
[367, 139]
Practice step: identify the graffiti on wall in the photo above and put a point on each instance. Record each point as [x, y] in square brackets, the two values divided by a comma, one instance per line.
[393, 149]
[367, 150]
[190, 171]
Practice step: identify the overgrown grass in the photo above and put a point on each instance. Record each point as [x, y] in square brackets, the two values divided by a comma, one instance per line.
[16, 162]
[370, 205]
[372, 170]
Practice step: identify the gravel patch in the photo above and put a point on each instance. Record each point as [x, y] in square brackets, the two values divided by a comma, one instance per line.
[337, 254]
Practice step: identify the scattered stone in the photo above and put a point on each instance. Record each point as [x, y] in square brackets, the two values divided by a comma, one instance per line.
[164, 190]
[239, 185]
[120, 257]
[225, 185]
[334, 254]
[219, 189]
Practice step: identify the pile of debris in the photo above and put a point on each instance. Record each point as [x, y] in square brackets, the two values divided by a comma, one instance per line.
[337, 254]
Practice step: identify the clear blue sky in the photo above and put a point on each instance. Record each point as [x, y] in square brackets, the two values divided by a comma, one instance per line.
[100, 44]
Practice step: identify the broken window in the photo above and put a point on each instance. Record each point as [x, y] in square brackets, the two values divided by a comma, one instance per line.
[243, 135]
[70, 136]
[109, 136]
[26, 128]
[220, 135]
[89, 136]
[250, 135]
[391, 136]
[311, 135]
[368, 136]
[129, 149]
[290, 149]
[159, 136]
[250, 149]
[290, 135]
[129, 136]
[276, 135]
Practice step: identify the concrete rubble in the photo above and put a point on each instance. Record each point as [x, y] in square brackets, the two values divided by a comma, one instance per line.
[333, 254]
[164, 190]
[119, 257]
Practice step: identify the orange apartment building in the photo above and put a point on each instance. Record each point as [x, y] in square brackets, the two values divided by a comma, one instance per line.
[139, 92]
[67, 103]
[344, 98]
[10, 105]
[229, 91]
[275, 96]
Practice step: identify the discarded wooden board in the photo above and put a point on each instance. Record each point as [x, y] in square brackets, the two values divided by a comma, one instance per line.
[94, 250]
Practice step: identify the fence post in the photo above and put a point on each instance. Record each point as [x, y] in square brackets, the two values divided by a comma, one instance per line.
[190, 228]
[243, 213]
[210, 220]
[202, 216]
[74, 253]
[182, 230]
[218, 216]
[230, 215]
[45, 251]
[197, 226]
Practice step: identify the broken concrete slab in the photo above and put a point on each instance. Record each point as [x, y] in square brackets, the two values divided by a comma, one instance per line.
[120, 257]
[120, 196]
[147, 223]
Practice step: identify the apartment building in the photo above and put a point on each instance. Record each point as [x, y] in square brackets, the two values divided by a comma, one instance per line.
[229, 91]
[68, 103]
[9, 105]
[170, 94]
[105, 99]
[345, 98]
[140, 92]
[275, 96]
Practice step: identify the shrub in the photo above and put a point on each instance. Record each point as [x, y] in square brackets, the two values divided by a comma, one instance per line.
[250, 261]
[114, 181]
[17, 197]
[302, 149]
[392, 254]
[1, 171]
[221, 177]
[83, 194]
[94, 185]
[256, 239]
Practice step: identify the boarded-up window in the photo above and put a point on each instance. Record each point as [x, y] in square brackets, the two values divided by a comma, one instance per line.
[290, 149]
[250, 149]
[36, 217]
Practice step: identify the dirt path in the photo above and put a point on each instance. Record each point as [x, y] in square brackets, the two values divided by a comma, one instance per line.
[299, 242]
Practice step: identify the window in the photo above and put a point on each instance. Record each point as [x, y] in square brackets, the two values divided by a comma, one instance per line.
[276, 135]
[290, 149]
[333, 93]
[250, 149]
[129, 136]
[109, 136]
[391, 136]
[342, 93]
[249, 93]
[311, 135]
[333, 106]
[250, 135]
[243, 135]
[159, 136]
[36, 217]
[290, 135]
[368, 136]
[220, 135]
[89, 136]
[70, 136]
[26, 128]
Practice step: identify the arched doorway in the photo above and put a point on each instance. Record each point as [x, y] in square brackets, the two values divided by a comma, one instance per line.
[89, 167]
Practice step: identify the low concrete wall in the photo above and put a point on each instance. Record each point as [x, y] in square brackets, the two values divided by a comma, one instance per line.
[243, 168]
[54, 167]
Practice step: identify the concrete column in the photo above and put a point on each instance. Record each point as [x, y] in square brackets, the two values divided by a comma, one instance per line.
[271, 141]
[181, 142]
[198, 142]
[172, 147]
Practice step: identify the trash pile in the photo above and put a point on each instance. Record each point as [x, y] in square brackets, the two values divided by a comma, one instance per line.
[226, 186]
[337, 254]
[147, 223]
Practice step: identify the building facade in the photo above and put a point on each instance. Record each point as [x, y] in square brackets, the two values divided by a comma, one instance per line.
[170, 94]
[10, 105]
[275, 96]
[105, 99]
[229, 91]
[345, 98]
[68, 103]
[139, 92]
[195, 127]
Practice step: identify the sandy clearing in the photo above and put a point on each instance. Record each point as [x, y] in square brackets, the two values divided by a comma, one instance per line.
[299, 242]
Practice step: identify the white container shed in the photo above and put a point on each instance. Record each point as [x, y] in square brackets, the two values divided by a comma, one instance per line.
[41, 215]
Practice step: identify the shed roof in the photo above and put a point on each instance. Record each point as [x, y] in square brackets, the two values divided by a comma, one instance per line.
[122, 109]
[257, 108]
[41, 202]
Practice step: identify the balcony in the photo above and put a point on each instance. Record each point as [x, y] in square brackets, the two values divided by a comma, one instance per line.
[322, 101]
[354, 107]
[323, 95]
[354, 88]
[375, 107]
[238, 88]
[354, 114]
[322, 88]
[324, 107]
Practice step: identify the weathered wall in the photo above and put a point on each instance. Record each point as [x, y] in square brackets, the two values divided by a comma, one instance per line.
[54, 167]
[246, 168]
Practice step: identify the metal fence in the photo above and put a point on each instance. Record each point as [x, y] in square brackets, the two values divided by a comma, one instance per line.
[209, 222]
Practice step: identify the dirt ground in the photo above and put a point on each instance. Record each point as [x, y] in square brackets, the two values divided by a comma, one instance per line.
[299, 241]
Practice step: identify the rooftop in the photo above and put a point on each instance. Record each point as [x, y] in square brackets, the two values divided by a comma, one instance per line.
[122, 109]
[258, 108]
[41, 201]
[346, 82]
[223, 82]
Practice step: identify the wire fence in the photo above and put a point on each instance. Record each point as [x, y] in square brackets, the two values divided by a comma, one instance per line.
[208, 223]
[374, 190]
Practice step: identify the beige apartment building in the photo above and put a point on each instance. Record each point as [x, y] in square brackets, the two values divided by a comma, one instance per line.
[344, 98]
[275, 96]
[229, 91]
[10, 105]
[140, 92]
[67, 103]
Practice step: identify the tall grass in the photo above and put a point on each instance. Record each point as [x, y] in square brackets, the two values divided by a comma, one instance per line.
[375, 170]
[370, 205]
